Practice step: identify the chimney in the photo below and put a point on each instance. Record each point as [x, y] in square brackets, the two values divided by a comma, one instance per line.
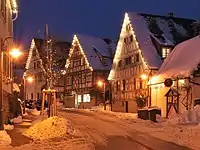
[170, 14]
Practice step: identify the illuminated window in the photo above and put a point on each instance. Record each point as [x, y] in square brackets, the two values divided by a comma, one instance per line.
[165, 52]
[86, 98]
[79, 99]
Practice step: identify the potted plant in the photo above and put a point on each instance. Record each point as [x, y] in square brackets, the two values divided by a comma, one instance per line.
[141, 101]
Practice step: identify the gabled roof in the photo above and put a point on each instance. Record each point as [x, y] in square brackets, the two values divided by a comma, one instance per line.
[143, 38]
[182, 60]
[62, 50]
[95, 49]
[165, 30]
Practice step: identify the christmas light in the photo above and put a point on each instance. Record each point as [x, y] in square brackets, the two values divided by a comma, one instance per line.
[120, 44]
[32, 47]
[74, 43]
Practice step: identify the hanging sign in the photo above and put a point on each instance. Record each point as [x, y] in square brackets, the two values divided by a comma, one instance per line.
[168, 82]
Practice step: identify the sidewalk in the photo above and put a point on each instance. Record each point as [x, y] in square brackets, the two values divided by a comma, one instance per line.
[16, 135]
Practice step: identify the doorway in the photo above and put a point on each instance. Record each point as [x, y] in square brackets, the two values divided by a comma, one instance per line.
[126, 105]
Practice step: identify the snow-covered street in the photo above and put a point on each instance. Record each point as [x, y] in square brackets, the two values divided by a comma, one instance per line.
[96, 129]
[106, 131]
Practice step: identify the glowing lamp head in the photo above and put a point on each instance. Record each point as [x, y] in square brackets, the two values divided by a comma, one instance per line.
[30, 79]
[15, 53]
[100, 83]
[144, 76]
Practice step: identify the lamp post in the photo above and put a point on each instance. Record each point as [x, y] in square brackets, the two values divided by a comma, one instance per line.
[13, 53]
[100, 84]
[26, 79]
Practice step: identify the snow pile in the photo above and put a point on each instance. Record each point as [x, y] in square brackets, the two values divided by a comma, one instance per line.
[17, 119]
[188, 117]
[25, 114]
[50, 128]
[4, 138]
[33, 112]
[8, 127]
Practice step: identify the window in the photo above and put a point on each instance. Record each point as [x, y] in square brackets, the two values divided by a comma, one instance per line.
[137, 58]
[120, 64]
[117, 85]
[35, 64]
[82, 61]
[131, 38]
[40, 77]
[128, 27]
[31, 95]
[38, 64]
[86, 98]
[124, 85]
[79, 98]
[165, 52]
[134, 83]
[132, 60]
[104, 61]
[128, 60]
[140, 84]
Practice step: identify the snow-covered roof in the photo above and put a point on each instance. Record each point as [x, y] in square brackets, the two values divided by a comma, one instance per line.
[164, 30]
[91, 47]
[148, 49]
[61, 48]
[182, 60]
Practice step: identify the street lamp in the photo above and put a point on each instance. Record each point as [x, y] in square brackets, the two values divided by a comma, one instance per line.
[100, 84]
[13, 52]
[144, 76]
[29, 79]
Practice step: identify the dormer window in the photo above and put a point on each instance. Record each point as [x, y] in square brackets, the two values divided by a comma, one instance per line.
[165, 52]
[104, 61]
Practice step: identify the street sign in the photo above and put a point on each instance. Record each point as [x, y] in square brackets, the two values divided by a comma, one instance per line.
[168, 82]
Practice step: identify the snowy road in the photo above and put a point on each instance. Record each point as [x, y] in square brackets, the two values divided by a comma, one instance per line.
[109, 133]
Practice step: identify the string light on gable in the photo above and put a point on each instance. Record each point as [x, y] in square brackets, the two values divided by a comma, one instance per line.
[30, 56]
[120, 44]
[74, 42]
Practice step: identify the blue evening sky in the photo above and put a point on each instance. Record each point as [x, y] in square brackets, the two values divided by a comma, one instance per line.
[101, 18]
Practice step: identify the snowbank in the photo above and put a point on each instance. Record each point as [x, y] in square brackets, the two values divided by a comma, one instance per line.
[17, 119]
[33, 112]
[25, 114]
[4, 138]
[50, 128]
[188, 117]
[8, 127]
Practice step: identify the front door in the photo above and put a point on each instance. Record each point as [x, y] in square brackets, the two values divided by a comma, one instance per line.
[126, 104]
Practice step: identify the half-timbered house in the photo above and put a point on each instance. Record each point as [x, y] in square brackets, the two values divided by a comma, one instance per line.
[36, 67]
[145, 41]
[88, 63]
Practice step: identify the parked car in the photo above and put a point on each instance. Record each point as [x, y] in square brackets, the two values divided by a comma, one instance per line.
[39, 104]
[30, 104]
